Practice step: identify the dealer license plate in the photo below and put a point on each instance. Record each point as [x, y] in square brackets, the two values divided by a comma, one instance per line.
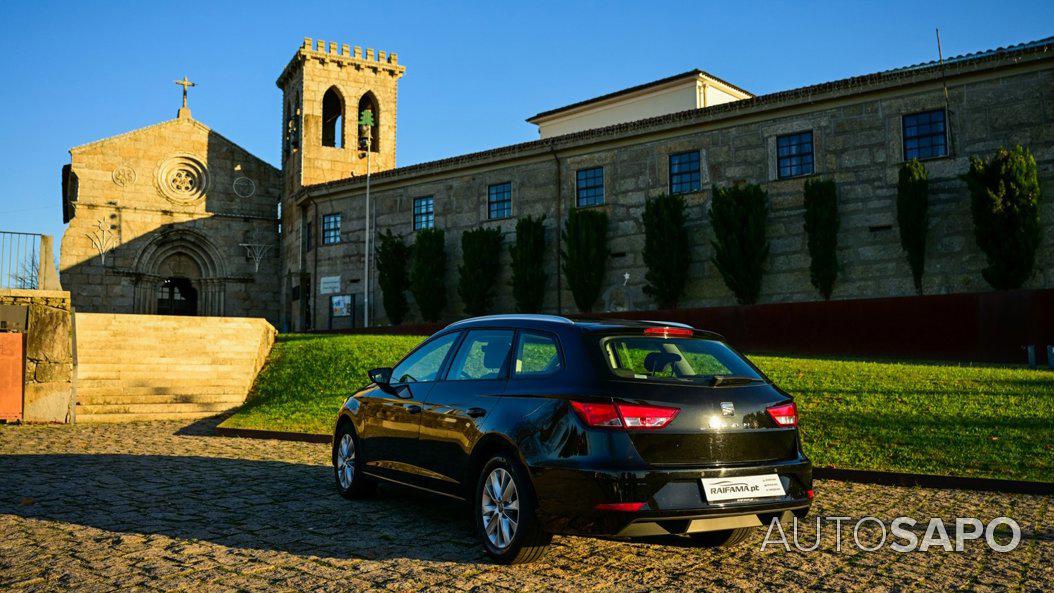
[735, 488]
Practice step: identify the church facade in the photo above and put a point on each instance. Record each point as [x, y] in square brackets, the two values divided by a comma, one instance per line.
[176, 210]
[171, 219]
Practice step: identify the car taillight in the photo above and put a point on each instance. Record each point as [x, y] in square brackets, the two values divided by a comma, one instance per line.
[599, 415]
[784, 414]
[668, 332]
[632, 416]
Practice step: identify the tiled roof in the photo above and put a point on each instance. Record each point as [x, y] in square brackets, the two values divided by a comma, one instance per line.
[802, 95]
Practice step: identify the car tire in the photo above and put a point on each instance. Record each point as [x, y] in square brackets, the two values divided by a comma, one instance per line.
[347, 465]
[725, 538]
[505, 519]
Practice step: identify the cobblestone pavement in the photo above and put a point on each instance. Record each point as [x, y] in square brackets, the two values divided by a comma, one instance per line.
[165, 507]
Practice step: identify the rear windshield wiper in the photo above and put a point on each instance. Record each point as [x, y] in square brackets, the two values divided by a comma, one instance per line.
[719, 380]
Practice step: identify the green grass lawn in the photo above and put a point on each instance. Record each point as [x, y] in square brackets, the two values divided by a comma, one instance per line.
[940, 418]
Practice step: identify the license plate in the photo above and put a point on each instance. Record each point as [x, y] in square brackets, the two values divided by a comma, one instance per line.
[718, 489]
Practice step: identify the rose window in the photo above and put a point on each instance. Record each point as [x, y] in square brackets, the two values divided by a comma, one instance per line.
[182, 179]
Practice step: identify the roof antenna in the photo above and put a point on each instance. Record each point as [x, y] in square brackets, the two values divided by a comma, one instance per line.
[944, 85]
[940, 58]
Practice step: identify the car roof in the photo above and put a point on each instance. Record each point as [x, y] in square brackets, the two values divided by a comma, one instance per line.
[557, 321]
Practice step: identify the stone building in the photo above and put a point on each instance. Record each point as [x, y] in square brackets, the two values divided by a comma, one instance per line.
[174, 219]
[856, 131]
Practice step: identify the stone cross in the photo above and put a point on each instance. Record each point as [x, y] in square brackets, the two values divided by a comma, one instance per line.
[186, 84]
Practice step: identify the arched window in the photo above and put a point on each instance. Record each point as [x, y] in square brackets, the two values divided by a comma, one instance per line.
[287, 134]
[368, 101]
[333, 119]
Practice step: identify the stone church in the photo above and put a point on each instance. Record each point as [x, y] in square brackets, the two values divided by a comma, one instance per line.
[171, 219]
[176, 219]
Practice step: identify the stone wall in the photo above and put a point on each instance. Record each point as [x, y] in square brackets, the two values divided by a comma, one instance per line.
[858, 144]
[49, 370]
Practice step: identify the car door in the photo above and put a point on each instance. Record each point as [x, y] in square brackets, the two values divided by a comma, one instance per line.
[455, 413]
[392, 413]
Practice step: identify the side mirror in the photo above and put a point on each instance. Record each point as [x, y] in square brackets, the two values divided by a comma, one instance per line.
[380, 376]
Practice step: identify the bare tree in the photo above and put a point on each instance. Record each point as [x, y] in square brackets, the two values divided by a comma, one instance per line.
[28, 275]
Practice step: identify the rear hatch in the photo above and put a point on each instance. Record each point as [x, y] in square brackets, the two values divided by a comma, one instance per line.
[722, 402]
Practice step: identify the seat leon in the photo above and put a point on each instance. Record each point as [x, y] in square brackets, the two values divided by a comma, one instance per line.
[544, 425]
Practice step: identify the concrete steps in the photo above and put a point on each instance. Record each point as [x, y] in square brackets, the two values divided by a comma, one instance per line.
[153, 367]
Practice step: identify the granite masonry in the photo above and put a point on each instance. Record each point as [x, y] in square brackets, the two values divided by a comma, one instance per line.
[174, 218]
[171, 218]
[990, 99]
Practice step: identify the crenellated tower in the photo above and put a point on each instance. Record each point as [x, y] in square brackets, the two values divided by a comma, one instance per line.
[324, 89]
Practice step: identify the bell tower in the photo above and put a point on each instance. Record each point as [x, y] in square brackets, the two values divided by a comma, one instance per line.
[325, 89]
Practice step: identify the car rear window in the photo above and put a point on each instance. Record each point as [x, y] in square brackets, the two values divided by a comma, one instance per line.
[689, 359]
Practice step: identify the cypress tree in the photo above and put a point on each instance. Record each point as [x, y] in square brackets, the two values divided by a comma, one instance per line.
[1004, 200]
[738, 215]
[478, 272]
[585, 255]
[913, 219]
[821, 229]
[427, 269]
[528, 272]
[393, 256]
[667, 253]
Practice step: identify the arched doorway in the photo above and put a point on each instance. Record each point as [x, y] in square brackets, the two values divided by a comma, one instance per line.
[177, 296]
[180, 273]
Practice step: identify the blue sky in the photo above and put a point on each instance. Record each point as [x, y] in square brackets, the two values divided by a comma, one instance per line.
[75, 72]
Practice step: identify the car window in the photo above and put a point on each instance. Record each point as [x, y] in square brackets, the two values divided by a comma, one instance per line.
[644, 357]
[481, 355]
[423, 365]
[536, 355]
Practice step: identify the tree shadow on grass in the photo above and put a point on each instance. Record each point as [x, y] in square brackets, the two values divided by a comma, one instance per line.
[241, 503]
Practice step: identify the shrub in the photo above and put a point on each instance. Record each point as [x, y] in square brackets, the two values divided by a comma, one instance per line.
[427, 267]
[528, 272]
[666, 250]
[393, 257]
[738, 216]
[478, 272]
[1004, 200]
[585, 255]
[821, 229]
[913, 219]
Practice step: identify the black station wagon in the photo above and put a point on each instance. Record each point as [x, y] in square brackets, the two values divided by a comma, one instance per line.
[549, 426]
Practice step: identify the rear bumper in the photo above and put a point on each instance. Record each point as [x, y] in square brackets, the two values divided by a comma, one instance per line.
[674, 499]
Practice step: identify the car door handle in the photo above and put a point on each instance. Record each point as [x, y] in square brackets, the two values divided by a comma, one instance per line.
[475, 412]
[413, 409]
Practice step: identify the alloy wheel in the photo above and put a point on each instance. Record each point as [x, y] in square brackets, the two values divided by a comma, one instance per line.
[500, 507]
[346, 461]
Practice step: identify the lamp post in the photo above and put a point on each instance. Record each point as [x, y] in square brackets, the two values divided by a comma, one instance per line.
[366, 131]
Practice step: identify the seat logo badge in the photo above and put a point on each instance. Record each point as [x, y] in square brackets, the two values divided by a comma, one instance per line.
[728, 409]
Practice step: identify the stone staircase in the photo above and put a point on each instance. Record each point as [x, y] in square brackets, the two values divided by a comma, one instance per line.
[156, 367]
